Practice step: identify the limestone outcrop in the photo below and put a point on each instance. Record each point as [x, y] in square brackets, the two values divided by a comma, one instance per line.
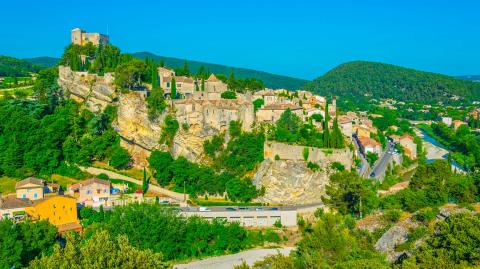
[290, 182]
[96, 91]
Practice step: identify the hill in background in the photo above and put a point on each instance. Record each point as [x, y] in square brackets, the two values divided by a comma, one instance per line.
[13, 67]
[43, 61]
[269, 80]
[355, 80]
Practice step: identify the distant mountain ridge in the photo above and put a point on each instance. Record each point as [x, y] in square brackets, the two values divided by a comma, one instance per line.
[270, 80]
[13, 67]
[360, 79]
[44, 61]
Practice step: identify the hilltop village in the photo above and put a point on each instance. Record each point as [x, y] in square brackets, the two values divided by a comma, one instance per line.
[205, 108]
[141, 161]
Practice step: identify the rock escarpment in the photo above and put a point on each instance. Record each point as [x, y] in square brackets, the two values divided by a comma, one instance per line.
[290, 182]
[96, 91]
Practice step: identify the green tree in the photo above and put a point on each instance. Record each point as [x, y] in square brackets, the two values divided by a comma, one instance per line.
[156, 103]
[160, 163]
[326, 131]
[128, 75]
[120, 158]
[173, 89]
[305, 154]
[229, 95]
[257, 104]
[20, 243]
[169, 130]
[101, 250]
[349, 193]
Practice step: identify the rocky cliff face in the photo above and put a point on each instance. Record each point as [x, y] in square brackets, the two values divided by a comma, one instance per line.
[290, 182]
[139, 134]
[96, 91]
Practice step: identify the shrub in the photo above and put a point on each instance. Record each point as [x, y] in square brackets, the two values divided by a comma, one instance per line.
[338, 166]
[277, 158]
[392, 215]
[103, 176]
[313, 166]
[278, 224]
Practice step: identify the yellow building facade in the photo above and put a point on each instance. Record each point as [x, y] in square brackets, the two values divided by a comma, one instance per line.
[59, 210]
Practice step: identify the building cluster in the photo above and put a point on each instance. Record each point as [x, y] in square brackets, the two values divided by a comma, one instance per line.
[35, 199]
[453, 123]
[200, 102]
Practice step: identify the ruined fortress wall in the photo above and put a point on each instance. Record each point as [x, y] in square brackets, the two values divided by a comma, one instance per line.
[316, 155]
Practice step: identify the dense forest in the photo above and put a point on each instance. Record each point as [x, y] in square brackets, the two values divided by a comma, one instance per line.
[41, 136]
[366, 80]
[13, 67]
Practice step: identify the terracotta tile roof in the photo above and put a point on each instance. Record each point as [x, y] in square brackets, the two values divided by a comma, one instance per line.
[212, 78]
[88, 182]
[406, 136]
[72, 226]
[281, 107]
[179, 79]
[12, 202]
[367, 141]
[29, 180]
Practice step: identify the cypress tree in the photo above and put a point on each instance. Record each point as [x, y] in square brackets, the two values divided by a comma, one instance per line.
[337, 136]
[326, 131]
[203, 84]
[173, 90]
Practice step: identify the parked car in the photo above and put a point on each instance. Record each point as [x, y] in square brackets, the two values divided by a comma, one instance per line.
[230, 209]
[204, 209]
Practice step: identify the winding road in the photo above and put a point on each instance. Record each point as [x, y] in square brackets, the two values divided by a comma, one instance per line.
[97, 171]
[229, 261]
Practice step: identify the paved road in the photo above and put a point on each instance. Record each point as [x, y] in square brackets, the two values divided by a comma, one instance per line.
[378, 170]
[229, 261]
[111, 174]
[365, 167]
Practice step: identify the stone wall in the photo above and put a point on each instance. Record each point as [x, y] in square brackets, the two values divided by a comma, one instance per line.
[316, 155]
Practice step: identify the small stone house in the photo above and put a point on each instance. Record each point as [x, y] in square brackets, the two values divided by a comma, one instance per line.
[368, 145]
[12, 207]
[30, 188]
[272, 113]
[92, 192]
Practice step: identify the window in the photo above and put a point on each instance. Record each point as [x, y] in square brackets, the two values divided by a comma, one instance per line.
[88, 191]
[168, 84]
[35, 195]
[29, 190]
[24, 195]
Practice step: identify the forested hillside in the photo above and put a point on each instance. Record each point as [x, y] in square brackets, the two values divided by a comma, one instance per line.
[13, 67]
[270, 80]
[379, 80]
[43, 61]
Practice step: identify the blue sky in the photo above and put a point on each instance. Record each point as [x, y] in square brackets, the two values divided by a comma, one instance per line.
[297, 38]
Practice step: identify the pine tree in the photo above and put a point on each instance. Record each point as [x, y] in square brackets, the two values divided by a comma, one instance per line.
[173, 90]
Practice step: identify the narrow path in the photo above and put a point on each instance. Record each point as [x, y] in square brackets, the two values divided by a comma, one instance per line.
[229, 261]
[155, 188]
